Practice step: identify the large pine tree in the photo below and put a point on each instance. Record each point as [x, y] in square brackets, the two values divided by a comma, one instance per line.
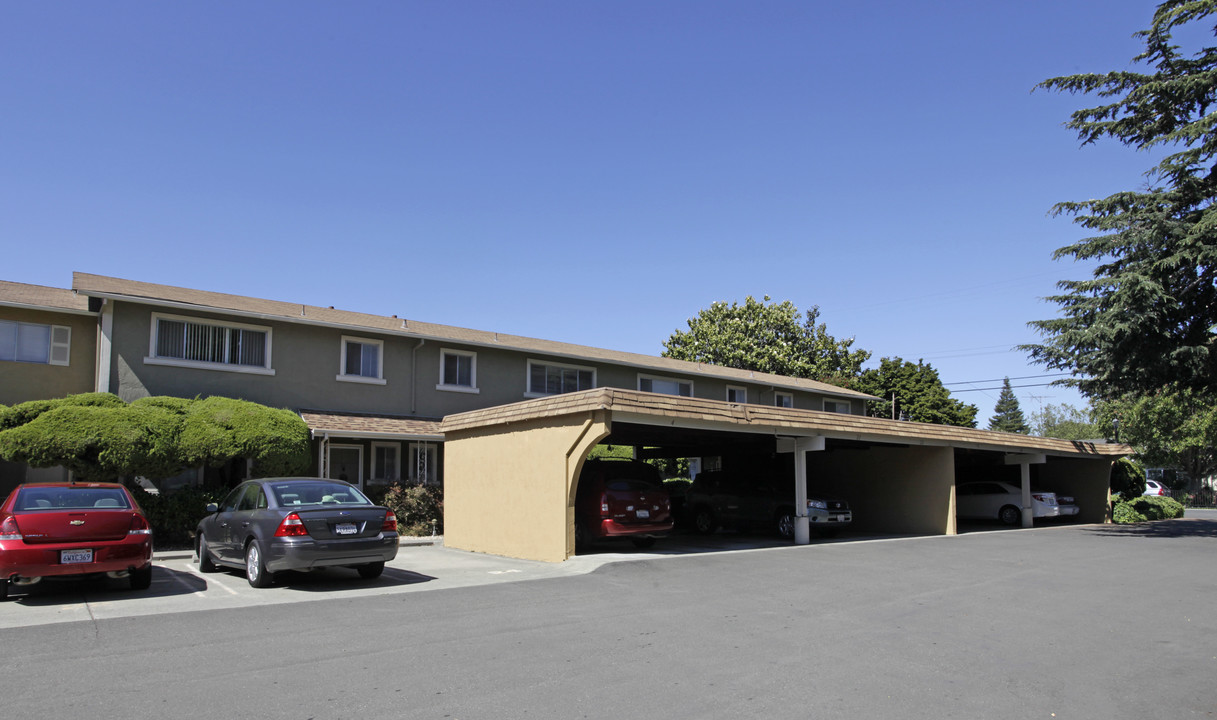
[1007, 415]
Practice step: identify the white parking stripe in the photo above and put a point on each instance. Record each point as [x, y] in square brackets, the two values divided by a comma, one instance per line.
[209, 579]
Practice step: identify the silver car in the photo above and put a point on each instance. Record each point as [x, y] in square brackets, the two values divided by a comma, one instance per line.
[992, 500]
[264, 526]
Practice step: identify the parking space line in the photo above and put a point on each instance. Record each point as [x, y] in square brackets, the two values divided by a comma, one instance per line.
[209, 579]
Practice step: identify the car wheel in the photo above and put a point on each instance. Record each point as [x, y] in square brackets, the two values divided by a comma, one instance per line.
[371, 571]
[642, 543]
[205, 562]
[703, 521]
[4, 589]
[255, 566]
[784, 524]
[583, 540]
[141, 579]
[1010, 515]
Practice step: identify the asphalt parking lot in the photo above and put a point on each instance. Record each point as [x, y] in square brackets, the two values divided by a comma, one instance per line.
[422, 565]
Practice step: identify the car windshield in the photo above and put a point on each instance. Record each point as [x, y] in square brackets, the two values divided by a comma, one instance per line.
[71, 498]
[317, 493]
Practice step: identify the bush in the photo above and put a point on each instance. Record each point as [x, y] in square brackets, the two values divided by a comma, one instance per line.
[1127, 478]
[419, 508]
[1145, 508]
[175, 515]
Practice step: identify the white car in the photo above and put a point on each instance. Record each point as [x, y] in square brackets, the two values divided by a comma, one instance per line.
[993, 500]
[1067, 506]
[1153, 487]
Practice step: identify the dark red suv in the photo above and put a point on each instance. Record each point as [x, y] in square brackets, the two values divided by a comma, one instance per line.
[621, 499]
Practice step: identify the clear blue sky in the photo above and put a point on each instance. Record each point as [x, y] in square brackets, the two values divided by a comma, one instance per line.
[588, 172]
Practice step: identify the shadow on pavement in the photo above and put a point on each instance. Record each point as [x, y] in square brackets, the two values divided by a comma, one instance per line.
[166, 582]
[1177, 528]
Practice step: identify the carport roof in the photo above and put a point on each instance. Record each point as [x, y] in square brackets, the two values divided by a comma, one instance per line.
[667, 410]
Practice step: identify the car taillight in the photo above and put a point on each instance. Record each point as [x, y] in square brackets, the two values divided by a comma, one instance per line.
[139, 525]
[9, 529]
[604, 505]
[292, 526]
[390, 522]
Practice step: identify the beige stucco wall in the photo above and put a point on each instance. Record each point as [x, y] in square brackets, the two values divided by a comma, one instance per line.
[512, 493]
[891, 490]
[21, 381]
[1087, 480]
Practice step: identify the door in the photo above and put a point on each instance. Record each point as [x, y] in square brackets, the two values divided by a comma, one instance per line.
[345, 462]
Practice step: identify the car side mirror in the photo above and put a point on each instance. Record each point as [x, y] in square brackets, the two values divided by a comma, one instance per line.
[212, 507]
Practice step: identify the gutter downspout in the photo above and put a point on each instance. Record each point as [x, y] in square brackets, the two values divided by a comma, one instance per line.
[414, 376]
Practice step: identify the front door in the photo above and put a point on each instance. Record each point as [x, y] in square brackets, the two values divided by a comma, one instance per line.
[345, 462]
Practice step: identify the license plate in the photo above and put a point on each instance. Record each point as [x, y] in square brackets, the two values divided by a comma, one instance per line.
[643, 514]
[346, 529]
[73, 557]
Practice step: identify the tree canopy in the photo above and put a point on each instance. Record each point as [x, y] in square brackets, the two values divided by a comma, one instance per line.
[1146, 318]
[1066, 423]
[766, 337]
[919, 393]
[1007, 415]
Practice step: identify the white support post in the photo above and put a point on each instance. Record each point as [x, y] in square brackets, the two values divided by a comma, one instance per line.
[1024, 463]
[800, 446]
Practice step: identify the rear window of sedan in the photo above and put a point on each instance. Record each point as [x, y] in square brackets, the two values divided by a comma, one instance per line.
[315, 493]
[71, 498]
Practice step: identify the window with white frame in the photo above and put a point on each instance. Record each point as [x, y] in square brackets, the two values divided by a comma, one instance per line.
[549, 379]
[783, 400]
[458, 371]
[665, 386]
[35, 342]
[195, 342]
[386, 461]
[361, 360]
[737, 394]
[423, 463]
[838, 406]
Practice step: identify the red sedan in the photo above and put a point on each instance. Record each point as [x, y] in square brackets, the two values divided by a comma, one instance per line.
[73, 530]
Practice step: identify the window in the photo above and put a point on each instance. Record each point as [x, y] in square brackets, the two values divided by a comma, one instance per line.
[423, 467]
[192, 342]
[35, 343]
[838, 406]
[361, 360]
[546, 379]
[737, 394]
[458, 371]
[783, 400]
[385, 462]
[665, 386]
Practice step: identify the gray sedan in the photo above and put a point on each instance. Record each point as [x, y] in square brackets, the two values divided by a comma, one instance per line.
[264, 526]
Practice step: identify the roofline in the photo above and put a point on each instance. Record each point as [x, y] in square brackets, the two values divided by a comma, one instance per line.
[47, 308]
[638, 360]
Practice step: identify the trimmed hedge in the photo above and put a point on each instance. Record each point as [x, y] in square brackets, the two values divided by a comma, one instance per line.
[1146, 508]
[419, 508]
[174, 516]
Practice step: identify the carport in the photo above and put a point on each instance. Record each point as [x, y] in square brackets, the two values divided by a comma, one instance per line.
[511, 471]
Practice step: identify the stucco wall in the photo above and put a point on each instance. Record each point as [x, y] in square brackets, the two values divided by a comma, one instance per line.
[1088, 481]
[511, 493]
[891, 490]
[20, 381]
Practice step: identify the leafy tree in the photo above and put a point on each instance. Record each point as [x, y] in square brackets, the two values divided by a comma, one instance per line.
[766, 337]
[1007, 415]
[1145, 320]
[22, 413]
[1065, 422]
[1173, 428]
[1127, 478]
[920, 394]
[217, 430]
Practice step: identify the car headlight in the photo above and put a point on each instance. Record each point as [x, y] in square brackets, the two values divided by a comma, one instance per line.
[817, 504]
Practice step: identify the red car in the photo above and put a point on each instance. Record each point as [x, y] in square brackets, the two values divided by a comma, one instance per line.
[621, 499]
[73, 530]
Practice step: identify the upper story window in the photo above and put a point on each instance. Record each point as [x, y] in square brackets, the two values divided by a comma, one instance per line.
[665, 386]
[549, 379]
[844, 407]
[458, 371]
[361, 360]
[194, 342]
[737, 394]
[783, 400]
[35, 343]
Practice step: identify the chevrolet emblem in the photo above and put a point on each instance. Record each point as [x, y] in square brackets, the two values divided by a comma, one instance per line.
[77, 522]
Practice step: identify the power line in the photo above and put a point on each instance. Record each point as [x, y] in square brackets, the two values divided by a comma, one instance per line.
[1000, 387]
[1021, 377]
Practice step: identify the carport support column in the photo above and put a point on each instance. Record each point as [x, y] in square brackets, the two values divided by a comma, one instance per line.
[1024, 463]
[800, 447]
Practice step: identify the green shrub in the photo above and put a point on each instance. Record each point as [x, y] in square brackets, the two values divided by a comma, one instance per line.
[174, 515]
[419, 508]
[1127, 478]
[1145, 508]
